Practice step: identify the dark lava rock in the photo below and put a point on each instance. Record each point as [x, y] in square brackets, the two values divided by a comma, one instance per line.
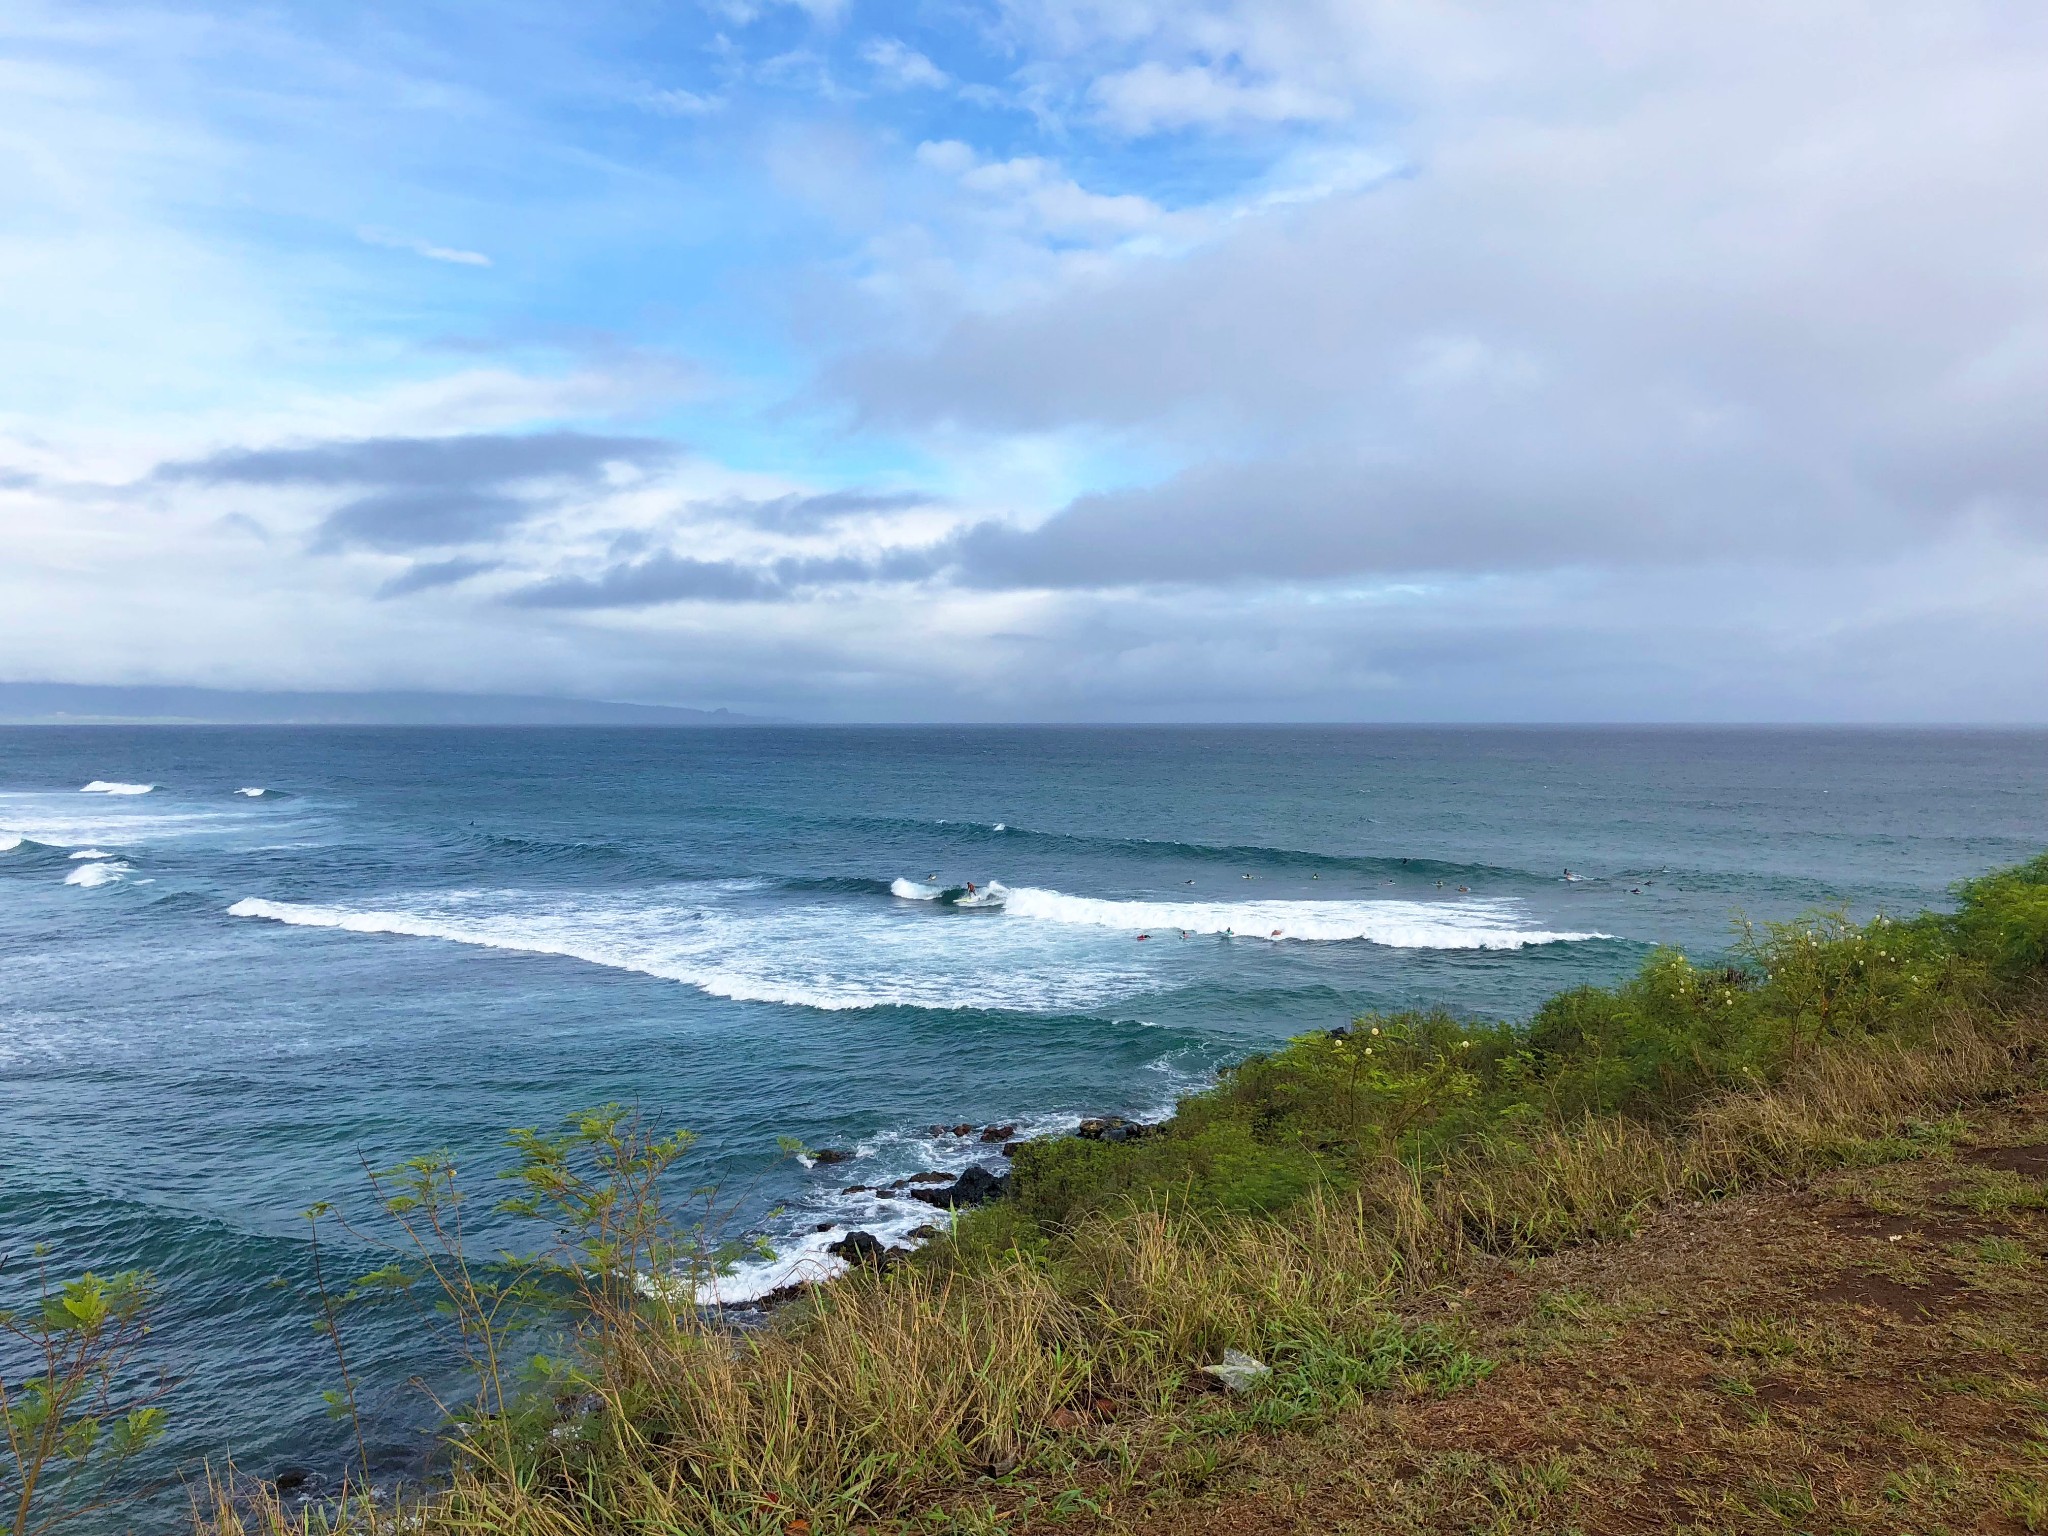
[1111, 1127]
[998, 1132]
[974, 1187]
[924, 1232]
[963, 1129]
[934, 1177]
[291, 1479]
[1010, 1148]
[825, 1155]
[860, 1248]
[854, 1189]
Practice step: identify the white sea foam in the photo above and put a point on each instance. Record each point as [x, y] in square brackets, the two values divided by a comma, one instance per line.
[9, 841]
[253, 794]
[70, 819]
[92, 853]
[914, 890]
[828, 955]
[1029, 950]
[97, 874]
[107, 787]
[1397, 924]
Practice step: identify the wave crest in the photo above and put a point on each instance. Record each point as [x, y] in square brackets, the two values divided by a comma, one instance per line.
[97, 874]
[1395, 924]
[826, 956]
[115, 787]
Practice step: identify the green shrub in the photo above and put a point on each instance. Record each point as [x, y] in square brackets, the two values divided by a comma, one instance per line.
[1419, 1088]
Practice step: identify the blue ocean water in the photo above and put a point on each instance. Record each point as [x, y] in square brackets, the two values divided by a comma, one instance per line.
[298, 949]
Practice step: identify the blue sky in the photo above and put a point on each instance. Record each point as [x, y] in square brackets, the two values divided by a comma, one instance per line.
[1034, 359]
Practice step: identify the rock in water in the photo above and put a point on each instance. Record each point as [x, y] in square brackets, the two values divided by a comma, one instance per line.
[1239, 1371]
[824, 1155]
[859, 1248]
[974, 1187]
[1112, 1128]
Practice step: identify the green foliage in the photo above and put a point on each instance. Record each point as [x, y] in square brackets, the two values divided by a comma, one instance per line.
[1419, 1088]
[2003, 920]
[74, 1420]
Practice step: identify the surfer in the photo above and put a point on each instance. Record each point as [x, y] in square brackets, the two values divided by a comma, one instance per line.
[970, 889]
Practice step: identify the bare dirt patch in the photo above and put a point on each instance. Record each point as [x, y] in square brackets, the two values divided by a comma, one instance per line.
[2029, 1160]
[1882, 1294]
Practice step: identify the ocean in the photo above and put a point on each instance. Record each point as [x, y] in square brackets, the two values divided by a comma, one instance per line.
[242, 963]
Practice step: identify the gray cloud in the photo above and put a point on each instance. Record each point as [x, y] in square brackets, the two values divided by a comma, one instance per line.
[806, 514]
[1706, 302]
[662, 578]
[412, 519]
[471, 459]
[672, 578]
[434, 573]
[427, 491]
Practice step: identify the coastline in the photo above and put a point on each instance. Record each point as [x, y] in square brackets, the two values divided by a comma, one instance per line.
[1285, 1250]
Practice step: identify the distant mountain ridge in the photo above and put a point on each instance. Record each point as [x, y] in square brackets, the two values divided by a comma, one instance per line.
[92, 704]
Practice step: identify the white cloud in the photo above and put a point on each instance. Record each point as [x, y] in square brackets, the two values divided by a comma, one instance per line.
[1153, 97]
[902, 67]
[676, 102]
[1035, 191]
[397, 242]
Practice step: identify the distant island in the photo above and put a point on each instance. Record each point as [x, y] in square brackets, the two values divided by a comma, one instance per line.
[83, 704]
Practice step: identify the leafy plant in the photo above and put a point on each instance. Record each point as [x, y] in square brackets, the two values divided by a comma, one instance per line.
[72, 1419]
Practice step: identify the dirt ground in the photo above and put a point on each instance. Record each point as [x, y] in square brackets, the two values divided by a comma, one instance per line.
[1865, 1354]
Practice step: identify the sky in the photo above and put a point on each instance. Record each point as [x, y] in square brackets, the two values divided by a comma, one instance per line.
[1076, 360]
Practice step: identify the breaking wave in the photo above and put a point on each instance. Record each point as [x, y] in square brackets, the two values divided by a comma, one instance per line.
[990, 895]
[812, 955]
[97, 874]
[111, 787]
[1396, 924]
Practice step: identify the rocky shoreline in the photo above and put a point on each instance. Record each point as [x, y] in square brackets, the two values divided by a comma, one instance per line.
[977, 1184]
